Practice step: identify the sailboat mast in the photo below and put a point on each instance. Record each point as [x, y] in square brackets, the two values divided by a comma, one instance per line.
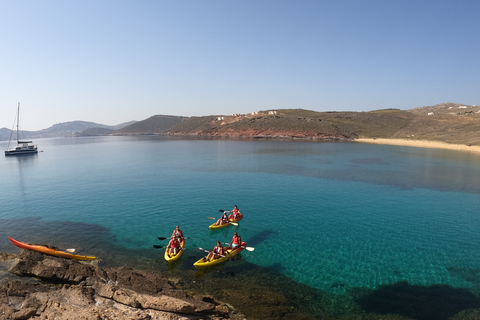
[18, 121]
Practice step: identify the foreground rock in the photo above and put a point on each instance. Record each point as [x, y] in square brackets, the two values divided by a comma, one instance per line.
[75, 290]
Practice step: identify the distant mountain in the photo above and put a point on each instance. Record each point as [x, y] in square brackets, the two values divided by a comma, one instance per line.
[64, 129]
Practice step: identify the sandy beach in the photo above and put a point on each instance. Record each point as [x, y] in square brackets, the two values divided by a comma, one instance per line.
[422, 144]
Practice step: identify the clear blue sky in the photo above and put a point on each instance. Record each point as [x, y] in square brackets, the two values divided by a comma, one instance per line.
[115, 61]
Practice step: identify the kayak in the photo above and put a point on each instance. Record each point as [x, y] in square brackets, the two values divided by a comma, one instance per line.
[50, 251]
[240, 217]
[214, 226]
[178, 255]
[230, 253]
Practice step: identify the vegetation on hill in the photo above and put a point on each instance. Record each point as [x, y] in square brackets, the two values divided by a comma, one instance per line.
[153, 125]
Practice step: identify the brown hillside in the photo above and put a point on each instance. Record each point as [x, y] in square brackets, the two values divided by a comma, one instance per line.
[447, 122]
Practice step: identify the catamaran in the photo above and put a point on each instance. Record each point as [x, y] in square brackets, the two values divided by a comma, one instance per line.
[23, 146]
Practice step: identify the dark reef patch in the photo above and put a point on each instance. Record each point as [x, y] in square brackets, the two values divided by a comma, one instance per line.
[469, 274]
[436, 302]
[260, 237]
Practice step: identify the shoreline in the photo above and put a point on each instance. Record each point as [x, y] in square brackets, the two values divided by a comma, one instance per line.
[420, 144]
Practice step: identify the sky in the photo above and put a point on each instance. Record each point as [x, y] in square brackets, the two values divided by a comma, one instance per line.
[113, 61]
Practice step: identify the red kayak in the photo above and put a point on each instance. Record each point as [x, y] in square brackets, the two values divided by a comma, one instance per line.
[231, 219]
[50, 251]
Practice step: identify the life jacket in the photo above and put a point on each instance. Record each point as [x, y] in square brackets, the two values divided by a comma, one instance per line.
[218, 250]
[175, 244]
[236, 240]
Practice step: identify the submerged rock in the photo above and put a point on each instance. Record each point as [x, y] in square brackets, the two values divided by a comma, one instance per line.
[70, 289]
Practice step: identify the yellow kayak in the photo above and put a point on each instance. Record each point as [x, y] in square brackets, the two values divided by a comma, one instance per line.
[178, 255]
[50, 251]
[229, 223]
[214, 226]
[229, 253]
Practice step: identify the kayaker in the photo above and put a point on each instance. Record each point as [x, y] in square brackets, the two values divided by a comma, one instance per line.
[174, 246]
[236, 241]
[223, 219]
[177, 233]
[235, 213]
[216, 253]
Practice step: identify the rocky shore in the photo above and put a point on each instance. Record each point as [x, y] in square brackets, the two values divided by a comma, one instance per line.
[58, 288]
[38, 286]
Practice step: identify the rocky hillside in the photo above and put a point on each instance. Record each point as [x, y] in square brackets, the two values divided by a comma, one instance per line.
[448, 122]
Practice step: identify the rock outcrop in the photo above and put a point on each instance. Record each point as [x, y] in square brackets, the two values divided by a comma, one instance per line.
[70, 289]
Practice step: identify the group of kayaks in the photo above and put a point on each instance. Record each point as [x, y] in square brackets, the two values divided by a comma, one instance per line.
[201, 263]
[170, 258]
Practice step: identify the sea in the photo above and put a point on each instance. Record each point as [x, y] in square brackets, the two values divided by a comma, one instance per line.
[351, 222]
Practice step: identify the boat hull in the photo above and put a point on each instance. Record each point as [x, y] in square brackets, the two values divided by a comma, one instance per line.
[14, 152]
[50, 251]
[178, 255]
[230, 253]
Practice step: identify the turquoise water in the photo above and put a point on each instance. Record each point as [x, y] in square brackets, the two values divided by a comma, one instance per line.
[331, 215]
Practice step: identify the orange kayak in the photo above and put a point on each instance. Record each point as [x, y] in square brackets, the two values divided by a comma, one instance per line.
[50, 251]
[240, 217]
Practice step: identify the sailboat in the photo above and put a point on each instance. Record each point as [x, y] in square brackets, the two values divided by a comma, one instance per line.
[23, 146]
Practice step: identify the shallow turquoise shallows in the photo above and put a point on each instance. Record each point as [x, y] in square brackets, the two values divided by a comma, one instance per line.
[330, 215]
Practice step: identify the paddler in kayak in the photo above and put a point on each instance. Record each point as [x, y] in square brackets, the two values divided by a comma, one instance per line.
[173, 247]
[216, 253]
[236, 241]
[235, 213]
[177, 233]
[223, 219]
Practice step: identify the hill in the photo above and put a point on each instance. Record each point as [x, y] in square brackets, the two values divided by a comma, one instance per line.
[448, 122]
[153, 125]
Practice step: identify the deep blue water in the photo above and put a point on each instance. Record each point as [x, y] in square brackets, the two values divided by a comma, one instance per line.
[330, 215]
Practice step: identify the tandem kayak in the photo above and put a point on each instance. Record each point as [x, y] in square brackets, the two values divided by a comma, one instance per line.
[215, 226]
[229, 223]
[230, 253]
[178, 255]
[50, 251]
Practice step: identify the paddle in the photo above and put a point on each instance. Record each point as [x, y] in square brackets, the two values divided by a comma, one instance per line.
[246, 248]
[70, 250]
[233, 223]
[164, 238]
[201, 249]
